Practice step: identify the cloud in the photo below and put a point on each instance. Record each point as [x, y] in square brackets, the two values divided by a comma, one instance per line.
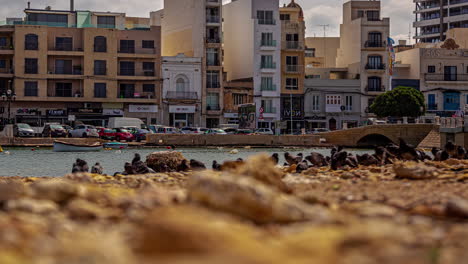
[317, 12]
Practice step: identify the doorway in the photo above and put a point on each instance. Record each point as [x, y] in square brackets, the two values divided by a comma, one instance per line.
[332, 124]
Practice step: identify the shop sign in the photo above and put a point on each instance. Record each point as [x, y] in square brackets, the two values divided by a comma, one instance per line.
[57, 112]
[295, 113]
[182, 109]
[231, 115]
[113, 112]
[85, 110]
[315, 117]
[143, 108]
[27, 111]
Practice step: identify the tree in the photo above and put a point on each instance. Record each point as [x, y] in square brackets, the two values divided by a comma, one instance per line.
[401, 101]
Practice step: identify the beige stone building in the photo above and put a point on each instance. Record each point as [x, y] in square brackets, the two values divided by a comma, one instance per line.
[292, 63]
[321, 53]
[194, 28]
[89, 65]
[236, 93]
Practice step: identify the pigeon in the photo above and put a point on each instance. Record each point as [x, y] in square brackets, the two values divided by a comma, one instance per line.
[317, 159]
[97, 169]
[407, 152]
[197, 165]
[368, 160]
[128, 169]
[80, 166]
[216, 166]
[451, 149]
[302, 166]
[275, 158]
[136, 159]
[292, 160]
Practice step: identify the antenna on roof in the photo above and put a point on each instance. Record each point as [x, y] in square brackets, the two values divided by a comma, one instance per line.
[29, 5]
[72, 5]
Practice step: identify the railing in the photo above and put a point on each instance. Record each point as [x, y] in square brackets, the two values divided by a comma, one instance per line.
[67, 71]
[267, 21]
[270, 110]
[212, 107]
[137, 51]
[380, 88]
[268, 43]
[446, 77]
[375, 44]
[65, 93]
[213, 19]
[375, 66]
[7, 71]
[213, 40]
[126, 95]
[213, 63]
[134, 73]
[182, 95]
[268, 87]
[268, 65]
[213, 85]
[65, 48]
[294, 45]
[6, 47]
[293, 68]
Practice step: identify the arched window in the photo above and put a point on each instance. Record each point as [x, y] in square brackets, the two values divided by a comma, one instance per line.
[375, 62]
[374, 84]
[31, 42]
[100, 44]
[374, 40]
[182, 83]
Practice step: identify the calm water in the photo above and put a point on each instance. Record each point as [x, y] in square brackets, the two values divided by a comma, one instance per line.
[45, 162]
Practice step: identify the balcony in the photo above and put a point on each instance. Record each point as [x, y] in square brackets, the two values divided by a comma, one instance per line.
[136, 53]
[135, 95]
[375, 67]
[136, 75]
[374, 44]
[268, 45]
[268, 67]
[6, 50]
[293, 68]
[446, 78]
[294, 45]
[213, 107]
[182, 95]
[6, 73]
[213, 19]
[269, 110]
[213, 85]
[268, 88]
[215, 40]
[66, 72]
[214, 63]
[266, 21]
[375, 89]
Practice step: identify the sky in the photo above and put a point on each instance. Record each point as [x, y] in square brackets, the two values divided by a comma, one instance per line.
[317, 12]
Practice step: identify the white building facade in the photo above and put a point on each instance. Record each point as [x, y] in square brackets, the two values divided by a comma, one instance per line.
[182, 91]
[248, 26]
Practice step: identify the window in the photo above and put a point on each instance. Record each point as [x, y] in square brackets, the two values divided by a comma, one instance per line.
[265, 17]
[292, 84]
[63, 89]
[267, 84]
[48, 19]
[212, 57]
[370, 102]
[149, 88]
[267, 106]
[374, 40]
[267, 62]
[30, 89]
[292, 41]
[147, 44]
[3, 42]
[315, 102]
[100, 90]
[374, 62]
[267, 40]
[127, 46]
[31, 42]
[106, 22]
[239, 99]
[100, 44]
[180, 85]
[63, 67]
[285, 17]
[310, 53]
[431, 102]
[349, 103]
[148, 68]
[373, 15]
[100, 67]
[127, 68]
[333, 103]
[431, 69]
[212, 101]
[3, 64]
[212, 35]
[212, 79]
[292, 64]
[450, 73]
[64, 43]
[127, 90]
[360, 13]
[374, 84]
[30, 66]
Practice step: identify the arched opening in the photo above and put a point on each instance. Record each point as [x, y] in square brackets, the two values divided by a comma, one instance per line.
[332, 124]
[182, 84]
[374, 140]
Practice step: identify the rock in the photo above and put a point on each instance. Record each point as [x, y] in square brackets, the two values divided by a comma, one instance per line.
[414, 171]
[79, 209]
[59, 191]
[263, 169]
[457, 208]
[165, 161]
[250, 198]
[11, 190]
[32, 206]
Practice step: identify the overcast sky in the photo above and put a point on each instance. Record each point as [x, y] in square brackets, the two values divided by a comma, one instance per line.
[317, 12]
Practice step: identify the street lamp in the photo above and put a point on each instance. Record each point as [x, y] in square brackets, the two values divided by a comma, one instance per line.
[9, 97]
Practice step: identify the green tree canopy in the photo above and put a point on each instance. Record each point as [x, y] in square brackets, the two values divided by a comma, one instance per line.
[401, 101]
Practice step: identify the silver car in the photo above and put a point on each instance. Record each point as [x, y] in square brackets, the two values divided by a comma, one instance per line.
[23, 130]
[84, 131]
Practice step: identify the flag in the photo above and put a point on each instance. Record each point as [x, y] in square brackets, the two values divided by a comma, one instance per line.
[391, 55]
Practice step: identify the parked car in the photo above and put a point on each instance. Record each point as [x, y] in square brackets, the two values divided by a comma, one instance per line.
[230, 131]
[54, 130]
[23, 130]
[264, 131]
[163, 129]
[107, 133]
[123, 134]
[244, 132]
[215, 131]
[84, 131]
[193, 130]
[141, 134]
[319, 130]
[116, 122]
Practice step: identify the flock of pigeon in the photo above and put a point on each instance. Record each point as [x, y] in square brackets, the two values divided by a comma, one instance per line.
[338, 159]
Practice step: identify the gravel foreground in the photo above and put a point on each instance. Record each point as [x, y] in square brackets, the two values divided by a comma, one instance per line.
[250, 213]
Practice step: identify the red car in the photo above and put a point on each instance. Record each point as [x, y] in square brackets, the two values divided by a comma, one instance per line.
[123, 134]
[106, 133]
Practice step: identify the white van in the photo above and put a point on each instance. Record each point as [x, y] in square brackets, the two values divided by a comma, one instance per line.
[117, 122]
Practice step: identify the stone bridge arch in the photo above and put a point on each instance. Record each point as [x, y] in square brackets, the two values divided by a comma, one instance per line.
[372, 140]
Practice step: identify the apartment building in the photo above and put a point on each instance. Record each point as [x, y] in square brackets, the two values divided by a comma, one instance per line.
[194, 28]
[363, 49]
[81, 66]
[292, 64]
[442, 74]
[434, 17]
[320, 53]
[252, 32]
[236, 93]
[182, 89]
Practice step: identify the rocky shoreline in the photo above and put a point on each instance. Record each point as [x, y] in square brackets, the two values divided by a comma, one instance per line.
[257, 212]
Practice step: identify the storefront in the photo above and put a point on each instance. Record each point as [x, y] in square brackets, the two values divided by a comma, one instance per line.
[316, 121]
[182, 115]
[232, 118]
[89, 116]
[292, 113]
[148, 113]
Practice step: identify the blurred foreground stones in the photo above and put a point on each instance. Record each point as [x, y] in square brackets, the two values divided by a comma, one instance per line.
[253, 213]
